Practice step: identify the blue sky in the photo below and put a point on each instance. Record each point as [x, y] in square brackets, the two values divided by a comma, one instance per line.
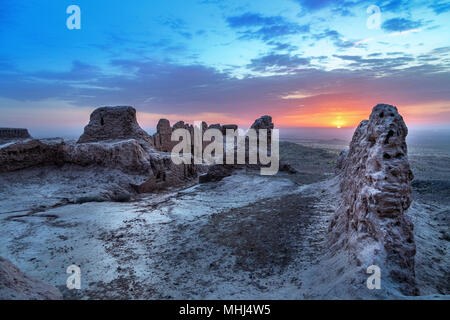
[308, 63]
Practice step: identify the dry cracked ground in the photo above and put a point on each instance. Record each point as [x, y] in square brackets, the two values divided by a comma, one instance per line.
[246, 237]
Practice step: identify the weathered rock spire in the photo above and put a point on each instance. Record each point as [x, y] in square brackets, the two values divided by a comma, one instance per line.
[375, 193]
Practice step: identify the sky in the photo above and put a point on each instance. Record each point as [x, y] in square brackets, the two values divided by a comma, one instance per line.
[307, 63]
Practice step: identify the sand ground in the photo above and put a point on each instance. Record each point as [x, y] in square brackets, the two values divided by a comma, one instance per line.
[246, 237]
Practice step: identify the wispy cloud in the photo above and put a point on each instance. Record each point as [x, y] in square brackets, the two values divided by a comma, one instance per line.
[159, 87]
[339, 40]
[401, 24]
[315, 4]
[278, 63]
[257, 26]
[301, 61]
[440, 7]
[179, 26]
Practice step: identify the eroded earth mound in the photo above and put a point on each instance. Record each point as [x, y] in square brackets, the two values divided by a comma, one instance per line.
[114, 123]
[375, 191]
[16, 285]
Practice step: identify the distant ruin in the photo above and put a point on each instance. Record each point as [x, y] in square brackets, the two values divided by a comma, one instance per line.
[14, 133]
[114, 123]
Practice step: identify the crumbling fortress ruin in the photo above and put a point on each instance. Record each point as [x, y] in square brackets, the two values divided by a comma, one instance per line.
[7, 134]
[113, 139]
[375, 190]
[114, 123]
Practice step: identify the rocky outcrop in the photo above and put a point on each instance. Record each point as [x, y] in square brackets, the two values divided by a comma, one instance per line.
[166, 174]
[126, 155]
[114, 123]
[127, 147]
[15, 285]
[113, 139]
[24, 154]
[216, 173]
[163, 135]
[8, 134]
[264, 122]
[226, 127]
[132, 150]
[286, 167]
[341, 159]
[375, 188]
[215, 126]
